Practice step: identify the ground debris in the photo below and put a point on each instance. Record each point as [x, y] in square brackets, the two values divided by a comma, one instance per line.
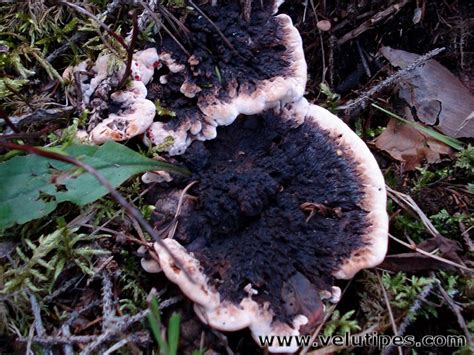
[450, 110]
[410, 146]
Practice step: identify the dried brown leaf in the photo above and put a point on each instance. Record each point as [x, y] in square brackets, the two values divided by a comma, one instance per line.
[439, 97]
[410, 146]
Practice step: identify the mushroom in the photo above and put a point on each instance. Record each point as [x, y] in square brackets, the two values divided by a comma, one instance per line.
[134, 116]
[128, 113]
[286, 201]
[259, 65]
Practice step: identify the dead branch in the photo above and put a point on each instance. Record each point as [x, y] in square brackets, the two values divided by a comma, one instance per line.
[160, 24]
[98, 21]
[366, 25]
[107, 300]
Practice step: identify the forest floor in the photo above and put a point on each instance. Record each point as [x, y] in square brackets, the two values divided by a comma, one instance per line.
[71, 279]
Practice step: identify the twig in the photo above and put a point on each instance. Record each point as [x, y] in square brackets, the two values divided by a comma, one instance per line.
[75, 314]
[361, 101]
[8, 122]
[457, 311]
[94, 232]
[144, 16]
[379, 16]
[80, 35]
[405, 200]
[98, 21]
[73, 339]
[107, 300]
[130, 51]
[415, 307]
[57, 52]
[117, 328]
[420, 298]
[35, 308]
[389, 308]
[178, 209]
[116, 346]
[62, 289]
[68, 349]
[246, 6]
[423, 252]
[159, 24]
[38, 322]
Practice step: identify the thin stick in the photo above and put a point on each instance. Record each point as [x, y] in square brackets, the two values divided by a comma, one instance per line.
[160, 24]
[327, 314]
[96, 19]
[178, 209]
[107, 300]
[389, 308]
[423, 252]
[130, 51]
[379, 16]
[405, 200]
[361, 101]
[224, 38]
[8, 122]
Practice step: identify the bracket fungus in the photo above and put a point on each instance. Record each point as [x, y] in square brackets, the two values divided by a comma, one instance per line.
[285, 201]
[282, 201]
[122, 114]
[260, 65]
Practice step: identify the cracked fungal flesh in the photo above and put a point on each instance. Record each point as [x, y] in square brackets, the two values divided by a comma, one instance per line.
[284, 202]
[265, 68]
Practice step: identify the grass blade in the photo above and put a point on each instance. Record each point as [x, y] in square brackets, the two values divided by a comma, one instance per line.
[173, 333]
[452, 142]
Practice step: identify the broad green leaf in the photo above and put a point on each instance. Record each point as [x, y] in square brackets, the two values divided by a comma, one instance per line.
[31, 186]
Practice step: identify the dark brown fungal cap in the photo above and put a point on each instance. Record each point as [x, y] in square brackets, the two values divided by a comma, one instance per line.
[286, 201]
[253, 181]
[263, 66]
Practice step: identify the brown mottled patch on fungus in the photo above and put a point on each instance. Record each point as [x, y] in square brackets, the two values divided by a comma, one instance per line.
[253, 257]
[264, 68]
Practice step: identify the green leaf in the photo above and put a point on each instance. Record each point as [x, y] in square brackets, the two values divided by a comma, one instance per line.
[173, 334]
[154, 319]
[32, 186]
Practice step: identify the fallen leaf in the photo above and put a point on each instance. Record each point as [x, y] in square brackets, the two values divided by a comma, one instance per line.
[410, 146]
[439, 97]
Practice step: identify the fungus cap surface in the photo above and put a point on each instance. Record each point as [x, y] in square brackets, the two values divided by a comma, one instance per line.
[286, 201]
[265, 68]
